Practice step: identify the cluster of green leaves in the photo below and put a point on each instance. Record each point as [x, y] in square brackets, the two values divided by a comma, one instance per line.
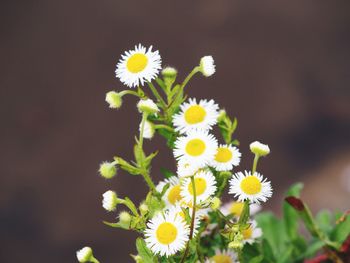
[284, 240]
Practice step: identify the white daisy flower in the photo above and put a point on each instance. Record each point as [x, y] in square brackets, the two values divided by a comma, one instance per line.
[172, 195]
[186, 169]
[205, 185]
[259, 148]
[225, 256]
[166, 234]
[197, 147]
[148, 129]
[207, 66]
[252, 187]
[84, 254]
[251, 233]
[235, 208]
[226, 157]
[147, 105]
[138, 66]
[109, 201]
[193, 115]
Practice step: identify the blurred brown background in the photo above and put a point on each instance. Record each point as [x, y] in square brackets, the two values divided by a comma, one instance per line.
[282, 69]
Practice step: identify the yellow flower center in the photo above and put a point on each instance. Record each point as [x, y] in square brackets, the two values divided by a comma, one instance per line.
[251, 185]
[174, 194]
[236, 208]
[137, 62]
[166, 233]
[195, 147]
[200, 185]
[247, 233]
[223, 155]
[221, 259]
[195, 114]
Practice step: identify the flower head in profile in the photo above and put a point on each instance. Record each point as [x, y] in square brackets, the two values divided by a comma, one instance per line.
[148, 129]
[252, 187]
[138, 66]
[147, 106]
[84, 254]
[197, 147]
[207, 66]
[166, 233]
[226, 158]
[202, 115]
[259, 148]
[110, 201]
[186, 169]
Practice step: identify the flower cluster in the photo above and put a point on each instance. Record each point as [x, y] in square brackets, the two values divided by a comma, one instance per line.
[182, 218]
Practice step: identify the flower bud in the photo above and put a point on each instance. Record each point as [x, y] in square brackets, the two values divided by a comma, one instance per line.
[143, 208]
[107, 170]
[124, 218]
[259, 148]
[169, 72]
[206, 66]
[114, 100]
[222, 115]
[215, 203]
[236, 245]
[148, 129]
[110, 201]
[138, 259]
[147, 106]
[84, 254]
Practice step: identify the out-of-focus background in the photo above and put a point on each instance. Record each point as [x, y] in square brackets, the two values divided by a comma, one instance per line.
[283, 69]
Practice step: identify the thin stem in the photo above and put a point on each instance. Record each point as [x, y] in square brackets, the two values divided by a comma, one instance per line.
[189, 76]
[255, 163]
[157, 95]
[184, 83]
[144, 118]
[149, 181]
[94, 260]
[131, 92]
[163, 126]
[192, 219]
[225, 176]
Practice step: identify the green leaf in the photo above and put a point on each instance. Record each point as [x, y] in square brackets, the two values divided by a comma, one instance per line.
[290, 216]
[311, 250]
[273, 231]
[166, 172]
[341, 230]
[245, 213]
[149, 158]
[249, 252]
[267, 251]
[144, 251]
[324, 220]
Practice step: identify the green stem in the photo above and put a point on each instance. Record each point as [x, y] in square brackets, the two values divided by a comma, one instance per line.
[129, 204]
[130, 92]
[255, 163]
[94, 260]
[157, 95]
[184, 83]
[163, 126]
[144, 118]
[149, 181]
[225, 176]
[189, 76]
[192, 219]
